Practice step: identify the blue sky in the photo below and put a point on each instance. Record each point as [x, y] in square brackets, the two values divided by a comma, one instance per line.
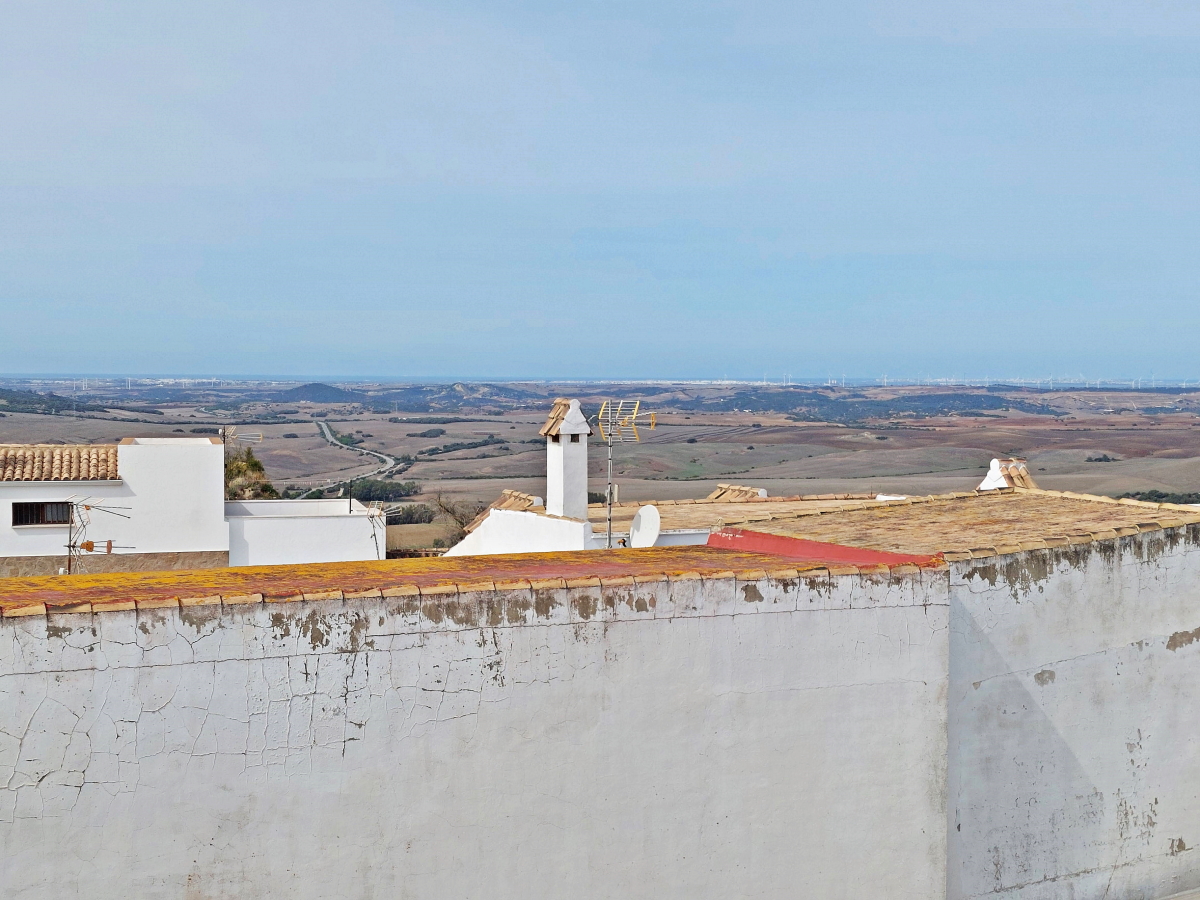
[617, 189]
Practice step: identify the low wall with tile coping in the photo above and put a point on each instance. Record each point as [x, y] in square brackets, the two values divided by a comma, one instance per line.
[685, 737]
[1074, 696]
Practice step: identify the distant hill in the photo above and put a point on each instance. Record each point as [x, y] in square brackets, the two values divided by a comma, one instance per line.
[317, 392]
[46, 404]
[818, 406]
[457, 396]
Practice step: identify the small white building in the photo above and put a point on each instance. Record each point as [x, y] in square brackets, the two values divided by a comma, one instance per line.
[159, 503]
[274, 532]
[521, 523]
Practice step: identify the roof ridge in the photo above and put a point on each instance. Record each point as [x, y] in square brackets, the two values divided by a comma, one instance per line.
[1101, 498]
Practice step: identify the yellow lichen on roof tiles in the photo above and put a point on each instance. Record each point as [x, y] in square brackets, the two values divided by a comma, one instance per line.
[391, 578]
[988, 519]
[58, 462]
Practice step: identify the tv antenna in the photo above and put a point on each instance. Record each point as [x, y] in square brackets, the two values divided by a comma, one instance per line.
[231, 434]
[618, 422]
[78, 542]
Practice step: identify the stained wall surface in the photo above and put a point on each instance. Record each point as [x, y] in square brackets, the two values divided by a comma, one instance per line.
[1075, 696]
[692, 738]
[32, 566]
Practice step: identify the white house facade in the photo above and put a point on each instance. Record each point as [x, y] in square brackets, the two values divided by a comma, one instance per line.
[158, 503]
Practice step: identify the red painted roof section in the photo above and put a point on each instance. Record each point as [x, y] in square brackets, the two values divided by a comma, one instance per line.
[817, 552]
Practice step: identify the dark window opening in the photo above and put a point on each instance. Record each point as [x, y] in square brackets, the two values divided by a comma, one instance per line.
[41, 514]
[574, 439]
[554, 437]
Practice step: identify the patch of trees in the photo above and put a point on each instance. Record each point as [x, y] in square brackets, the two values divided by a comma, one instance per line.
[1163, 497]
[411, 514]
[461, 445]
[206, 431]
[368, 489]
[427, 420]
[346, 440]
[45, 404]
[817, 406]
[1106, 458]
[428, 433]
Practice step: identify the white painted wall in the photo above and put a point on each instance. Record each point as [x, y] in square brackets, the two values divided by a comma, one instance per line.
[1075, 696]
[172, 492]
[275, 532]
[566, 467]
[517, 531]
[179, 486]
[171, 489]
[708, 739]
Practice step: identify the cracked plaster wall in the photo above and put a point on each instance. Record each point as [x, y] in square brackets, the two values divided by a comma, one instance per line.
[671, 740]
[1074, 701]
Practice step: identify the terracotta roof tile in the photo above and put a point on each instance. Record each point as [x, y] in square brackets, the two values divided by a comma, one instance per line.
[709, 513]
[736, 492]
[391, 578]
[508, 499]
[58, 462]
[558, 412]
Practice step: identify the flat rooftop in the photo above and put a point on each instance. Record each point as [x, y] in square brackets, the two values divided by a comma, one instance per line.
[957, 523]
[676, 515]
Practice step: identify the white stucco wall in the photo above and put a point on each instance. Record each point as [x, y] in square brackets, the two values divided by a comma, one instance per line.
[179, 486]
[692, 739]
[516, 531]
[171, 489]
[277, 532]
[1075, 697]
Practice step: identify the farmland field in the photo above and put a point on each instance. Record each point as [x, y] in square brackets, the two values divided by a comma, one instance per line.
[471, 441]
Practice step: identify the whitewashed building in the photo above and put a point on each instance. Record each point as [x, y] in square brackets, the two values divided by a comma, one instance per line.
[159, 503]
[522, 523]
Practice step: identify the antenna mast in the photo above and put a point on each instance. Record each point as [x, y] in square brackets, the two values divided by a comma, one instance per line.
[618, 422]
[77, 531]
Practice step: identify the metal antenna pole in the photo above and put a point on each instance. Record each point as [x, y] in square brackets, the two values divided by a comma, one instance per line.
[616, 419]
[70, 539]
[610, 491]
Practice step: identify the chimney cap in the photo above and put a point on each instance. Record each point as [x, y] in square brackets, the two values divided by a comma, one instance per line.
[565, 418]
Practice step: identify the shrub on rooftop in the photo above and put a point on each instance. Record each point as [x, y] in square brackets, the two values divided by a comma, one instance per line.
[246, 477]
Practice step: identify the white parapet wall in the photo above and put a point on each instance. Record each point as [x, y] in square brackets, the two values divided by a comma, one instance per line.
[277, 532]
[698, 738]
[1074, 760]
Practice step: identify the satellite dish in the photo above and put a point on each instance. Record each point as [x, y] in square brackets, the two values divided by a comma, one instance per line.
[644, 530]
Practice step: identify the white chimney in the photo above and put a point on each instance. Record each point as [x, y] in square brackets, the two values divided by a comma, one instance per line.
[566, 433]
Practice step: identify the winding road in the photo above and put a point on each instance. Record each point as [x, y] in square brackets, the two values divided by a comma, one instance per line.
[388, 462]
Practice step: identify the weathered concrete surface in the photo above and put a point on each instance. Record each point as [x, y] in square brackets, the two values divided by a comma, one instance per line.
[698, 738]
[32, 566]
[1075, 697]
